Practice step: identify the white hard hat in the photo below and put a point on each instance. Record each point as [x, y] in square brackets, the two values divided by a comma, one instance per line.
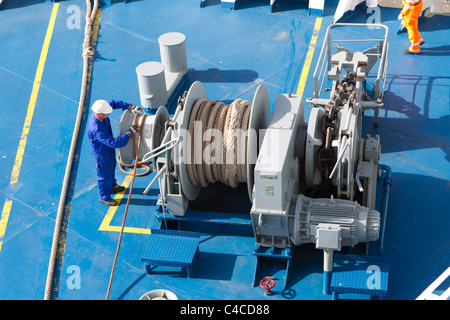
[101, 106]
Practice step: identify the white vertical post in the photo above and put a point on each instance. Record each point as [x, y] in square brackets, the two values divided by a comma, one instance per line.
[152, 84]
[173, 52]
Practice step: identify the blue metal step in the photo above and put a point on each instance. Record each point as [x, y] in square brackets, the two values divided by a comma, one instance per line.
[360, 275]
[170, 248]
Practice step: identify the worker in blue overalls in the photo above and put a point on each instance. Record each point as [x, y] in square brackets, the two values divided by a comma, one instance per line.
[103, 144]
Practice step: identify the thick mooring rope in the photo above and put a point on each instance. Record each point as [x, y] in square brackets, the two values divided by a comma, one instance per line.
[126, 209]
[91, 11]
[217, 150]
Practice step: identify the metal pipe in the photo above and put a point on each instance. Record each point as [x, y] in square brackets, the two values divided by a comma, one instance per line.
[384, 206]
[163, 145]
[356, 40]
[316, 81]
[327, 270]
[163, 200]
[174, 141]
[345, 145]
[163, 169]
[177, 112]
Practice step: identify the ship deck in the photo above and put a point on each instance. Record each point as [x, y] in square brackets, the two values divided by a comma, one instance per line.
[231, 52]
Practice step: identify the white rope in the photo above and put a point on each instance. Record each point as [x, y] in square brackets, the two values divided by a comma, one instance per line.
[217, 142]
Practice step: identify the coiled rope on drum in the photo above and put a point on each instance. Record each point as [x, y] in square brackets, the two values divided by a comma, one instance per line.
[87, 54]
[224, 159]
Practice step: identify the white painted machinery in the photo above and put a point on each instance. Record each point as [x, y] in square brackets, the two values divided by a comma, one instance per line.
[306, 188]
[311, 182]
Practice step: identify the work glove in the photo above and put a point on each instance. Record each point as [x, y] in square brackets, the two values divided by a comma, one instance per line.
[133, 129]
[136, 109]
[400, 17]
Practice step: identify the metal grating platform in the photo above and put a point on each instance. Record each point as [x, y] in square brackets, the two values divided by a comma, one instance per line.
[360, 275]
[170, 248]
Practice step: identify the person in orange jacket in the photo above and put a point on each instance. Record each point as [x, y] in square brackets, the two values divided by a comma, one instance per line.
[410, 16]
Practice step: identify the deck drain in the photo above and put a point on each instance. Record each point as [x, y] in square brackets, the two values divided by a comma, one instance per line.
[159, 294]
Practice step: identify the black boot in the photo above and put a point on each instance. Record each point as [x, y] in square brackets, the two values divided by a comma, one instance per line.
[109, 203]
[407, 51]
[116, 188]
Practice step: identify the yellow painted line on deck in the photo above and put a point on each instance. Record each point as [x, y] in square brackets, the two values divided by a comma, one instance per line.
[29, 116]
[309, 56]
[4, 219]
[33, 98]
[106, 223]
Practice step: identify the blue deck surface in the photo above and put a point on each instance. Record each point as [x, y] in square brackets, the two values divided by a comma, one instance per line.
[231, 52]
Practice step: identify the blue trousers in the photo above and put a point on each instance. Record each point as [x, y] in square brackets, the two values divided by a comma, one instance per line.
[106, 178]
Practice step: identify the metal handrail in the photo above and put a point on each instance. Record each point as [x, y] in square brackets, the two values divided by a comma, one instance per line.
[382, 69]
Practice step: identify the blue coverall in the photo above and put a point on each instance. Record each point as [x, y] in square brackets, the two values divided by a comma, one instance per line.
[102, 148]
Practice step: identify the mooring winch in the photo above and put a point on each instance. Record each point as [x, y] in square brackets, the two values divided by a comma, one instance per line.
[311, 182]
[204, 142]
[337, 165]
